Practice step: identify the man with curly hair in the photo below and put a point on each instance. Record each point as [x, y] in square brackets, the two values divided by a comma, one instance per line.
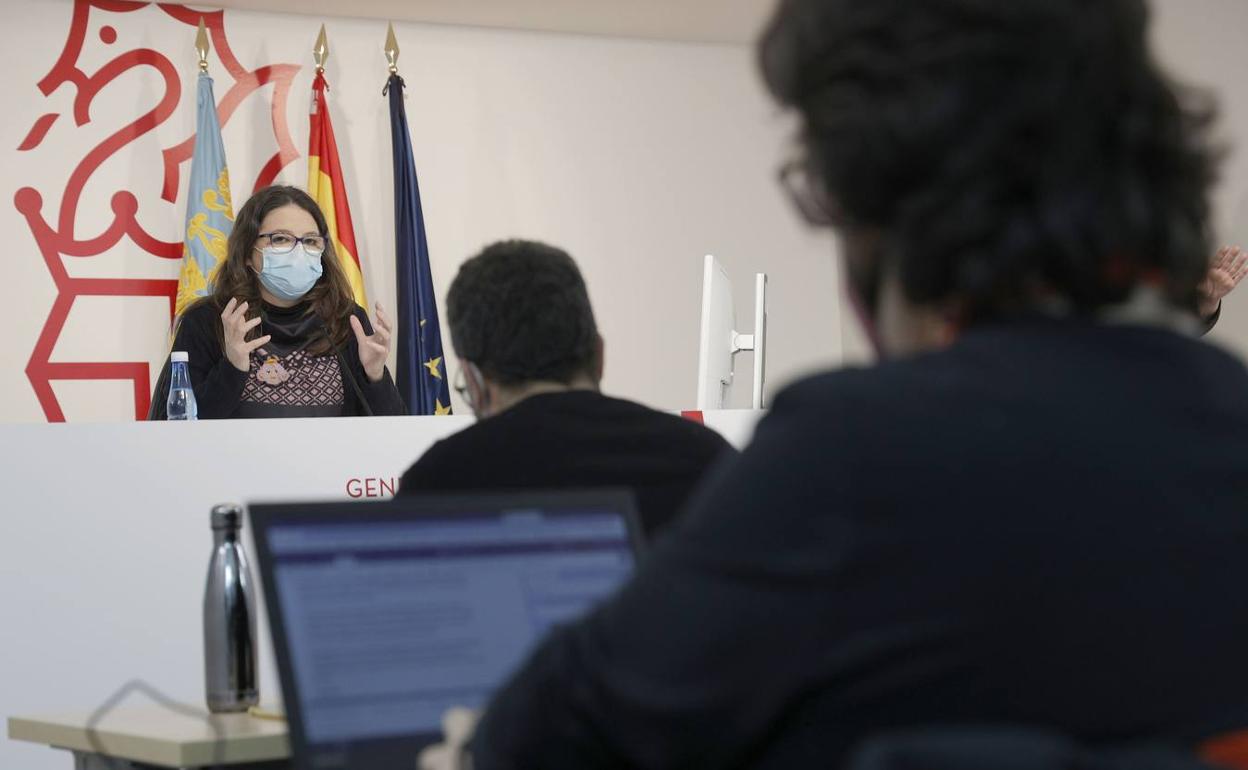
[1037, 517]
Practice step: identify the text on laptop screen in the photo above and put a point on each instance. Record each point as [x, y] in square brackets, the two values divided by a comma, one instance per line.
[391, 622]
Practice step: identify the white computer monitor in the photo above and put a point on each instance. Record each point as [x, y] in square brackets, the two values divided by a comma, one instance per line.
[719, 340]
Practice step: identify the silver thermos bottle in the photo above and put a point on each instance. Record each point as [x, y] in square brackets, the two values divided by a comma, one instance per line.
[229, 618]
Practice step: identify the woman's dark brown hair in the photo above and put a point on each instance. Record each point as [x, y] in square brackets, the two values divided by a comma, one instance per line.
[330, 298]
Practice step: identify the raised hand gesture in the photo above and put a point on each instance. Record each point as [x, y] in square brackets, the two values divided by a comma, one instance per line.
[234, 322]
[375, 347]
[1225, 272]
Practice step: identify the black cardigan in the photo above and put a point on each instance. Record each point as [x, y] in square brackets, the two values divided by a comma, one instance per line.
[218, 384]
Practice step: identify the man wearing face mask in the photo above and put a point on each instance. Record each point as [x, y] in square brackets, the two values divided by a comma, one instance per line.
[281, 334]
[530, 363]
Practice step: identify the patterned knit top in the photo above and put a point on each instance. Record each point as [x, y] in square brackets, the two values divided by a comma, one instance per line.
[284, 380]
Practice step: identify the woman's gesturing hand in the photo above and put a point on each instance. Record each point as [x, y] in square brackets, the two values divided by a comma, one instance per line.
[375, 347]
[237, 347]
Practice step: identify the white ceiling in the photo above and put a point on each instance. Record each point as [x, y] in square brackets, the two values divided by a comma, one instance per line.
[707, 21]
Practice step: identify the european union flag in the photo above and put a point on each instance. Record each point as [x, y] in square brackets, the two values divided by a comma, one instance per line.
[421, 375]
[209, 211]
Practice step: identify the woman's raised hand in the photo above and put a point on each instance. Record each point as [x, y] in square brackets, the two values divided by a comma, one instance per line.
[237, 347]
[375, 347]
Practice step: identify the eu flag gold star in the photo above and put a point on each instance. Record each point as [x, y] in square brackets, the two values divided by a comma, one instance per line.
[432, 366]
[439, 410]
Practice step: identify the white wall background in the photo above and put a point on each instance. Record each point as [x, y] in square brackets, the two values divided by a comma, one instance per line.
[1201, 43]
[638, 157]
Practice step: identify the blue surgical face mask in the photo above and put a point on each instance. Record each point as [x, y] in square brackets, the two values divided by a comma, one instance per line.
[291, 275]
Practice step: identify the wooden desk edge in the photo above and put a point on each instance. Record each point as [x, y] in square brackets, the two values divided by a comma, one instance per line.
[156, 751]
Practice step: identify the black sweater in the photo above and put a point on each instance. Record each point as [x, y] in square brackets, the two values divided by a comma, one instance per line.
[1045, 525]
[575, 439]
[218, 384]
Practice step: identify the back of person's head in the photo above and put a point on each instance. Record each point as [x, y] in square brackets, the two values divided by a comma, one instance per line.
[520, 312]
[1002, 154]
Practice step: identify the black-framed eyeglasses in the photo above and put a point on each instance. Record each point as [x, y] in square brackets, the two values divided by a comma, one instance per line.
[283, 242]
[460, 385]
[807, 194]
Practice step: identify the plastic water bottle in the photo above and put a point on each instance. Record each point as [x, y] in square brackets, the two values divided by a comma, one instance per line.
[181, 405]
[229, 618]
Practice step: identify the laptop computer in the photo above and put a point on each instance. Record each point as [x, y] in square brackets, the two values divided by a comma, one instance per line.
[384, 615]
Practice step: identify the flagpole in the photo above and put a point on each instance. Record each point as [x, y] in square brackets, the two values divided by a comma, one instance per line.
[209, 207]
[420, 364]
[202, 47]
[326, 184]
[320, 51]
[392, 49]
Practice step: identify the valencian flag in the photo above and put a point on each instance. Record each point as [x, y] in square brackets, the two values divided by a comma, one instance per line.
[209, 212]
[421, 373]
[326, 186]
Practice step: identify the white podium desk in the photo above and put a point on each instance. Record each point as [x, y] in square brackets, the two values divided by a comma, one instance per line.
[106, 530]
[138, 738]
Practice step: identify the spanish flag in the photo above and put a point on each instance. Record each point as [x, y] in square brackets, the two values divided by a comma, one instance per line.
[325, 185]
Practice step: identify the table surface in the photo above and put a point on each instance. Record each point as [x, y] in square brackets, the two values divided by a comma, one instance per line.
[158, 736]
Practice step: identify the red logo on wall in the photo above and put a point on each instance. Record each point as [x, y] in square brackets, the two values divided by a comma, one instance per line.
[57, 239]
[372, 486]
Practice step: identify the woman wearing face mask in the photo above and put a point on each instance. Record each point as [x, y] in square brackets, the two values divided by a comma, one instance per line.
[281, 334]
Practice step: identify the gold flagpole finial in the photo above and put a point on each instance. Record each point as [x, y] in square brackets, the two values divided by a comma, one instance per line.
[201, 45]
[392, 50]
[320, 51]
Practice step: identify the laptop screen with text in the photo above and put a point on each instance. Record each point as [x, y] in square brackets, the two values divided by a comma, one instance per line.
[388, 621]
